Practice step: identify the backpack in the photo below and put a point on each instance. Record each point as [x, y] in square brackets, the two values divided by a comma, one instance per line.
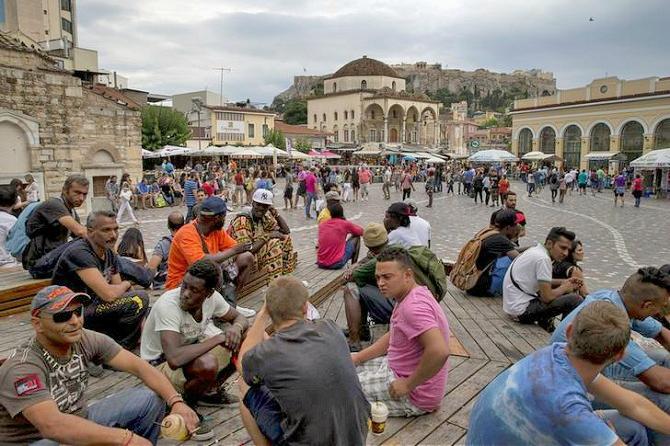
[429, 270]
[17, 239]
[465, 274]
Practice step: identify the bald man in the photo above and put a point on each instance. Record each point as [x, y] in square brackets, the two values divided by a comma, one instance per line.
[159, 258]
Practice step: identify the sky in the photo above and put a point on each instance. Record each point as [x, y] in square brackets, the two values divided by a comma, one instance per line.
[173, 46]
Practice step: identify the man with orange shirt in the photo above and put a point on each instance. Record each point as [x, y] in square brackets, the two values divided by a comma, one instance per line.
[204, 238]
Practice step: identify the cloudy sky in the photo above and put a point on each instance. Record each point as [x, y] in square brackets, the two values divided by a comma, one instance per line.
[173, 46]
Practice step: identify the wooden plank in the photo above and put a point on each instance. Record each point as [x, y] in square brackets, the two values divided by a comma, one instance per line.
[445, 434]
[488, 346]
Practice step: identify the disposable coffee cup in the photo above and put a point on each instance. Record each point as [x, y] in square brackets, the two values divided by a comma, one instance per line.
[379, 414]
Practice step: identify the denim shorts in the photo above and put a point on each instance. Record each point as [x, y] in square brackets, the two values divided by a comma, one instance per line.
[266, 411]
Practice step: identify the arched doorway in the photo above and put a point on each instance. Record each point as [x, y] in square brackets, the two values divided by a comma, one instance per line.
[572, 147]
[412, 125]
[600, 138]
[525, 141]
[395, 118]
[393, 135]
[15, 149]
[632, 140]
[548, 141]
[427, 127]
[662, 135]
[372, 125]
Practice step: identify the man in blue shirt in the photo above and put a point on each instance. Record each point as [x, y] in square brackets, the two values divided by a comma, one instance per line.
[190, 189]
[468, 176]
[543, 399]
[144, 192]
[645, 372]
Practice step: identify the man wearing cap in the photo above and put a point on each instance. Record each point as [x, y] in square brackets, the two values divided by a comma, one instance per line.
[397, 224]
[43, 383]
[205, 238]
[332, 197]
[90, 265]
[268, 233]
[420, 226]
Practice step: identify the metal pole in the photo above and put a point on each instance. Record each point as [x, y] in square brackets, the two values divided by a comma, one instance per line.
[221, 70]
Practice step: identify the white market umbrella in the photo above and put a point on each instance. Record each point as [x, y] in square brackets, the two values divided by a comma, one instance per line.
[147, 154]
[492, 156]
[656, 159]
[540, 156]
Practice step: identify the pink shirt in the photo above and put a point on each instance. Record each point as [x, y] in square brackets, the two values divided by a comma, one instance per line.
[310, 183]
[364, 176]
[417, 313]
[333, 238]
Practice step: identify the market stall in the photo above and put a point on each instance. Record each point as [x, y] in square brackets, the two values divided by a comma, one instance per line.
[611, 162]
[654, 166]
[492, 156]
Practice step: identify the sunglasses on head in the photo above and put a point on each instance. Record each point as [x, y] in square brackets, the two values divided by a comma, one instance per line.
[64, 316]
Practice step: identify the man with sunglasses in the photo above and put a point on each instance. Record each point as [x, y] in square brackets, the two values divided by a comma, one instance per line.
[43, 383]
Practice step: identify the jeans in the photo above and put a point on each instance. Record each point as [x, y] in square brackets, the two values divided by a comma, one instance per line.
[554, 193]
[538, 311]
[531, 188]
[487, 193]
[136, 409]
[386, 188]
[478, 191]
[189, 213]
[406, 193]
[310, 199]
[374, 303]
[629, 431]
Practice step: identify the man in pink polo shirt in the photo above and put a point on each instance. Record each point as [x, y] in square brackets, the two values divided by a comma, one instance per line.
[407, 367]
[310, 190]
[365, 179]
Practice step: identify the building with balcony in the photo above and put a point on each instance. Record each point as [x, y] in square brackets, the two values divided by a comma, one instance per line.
[610, 118]
[367, 101]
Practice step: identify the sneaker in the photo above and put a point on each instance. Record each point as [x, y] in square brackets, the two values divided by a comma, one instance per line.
[246, 312]
[204, 430]
[217, 398]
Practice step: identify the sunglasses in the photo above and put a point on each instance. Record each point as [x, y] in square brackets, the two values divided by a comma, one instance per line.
[64, 316]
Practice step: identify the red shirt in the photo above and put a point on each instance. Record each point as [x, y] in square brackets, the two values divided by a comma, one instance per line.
[239, 179]
[364, 176]
[637, 184]
[208, 189]
[503, 186]
[333, 238]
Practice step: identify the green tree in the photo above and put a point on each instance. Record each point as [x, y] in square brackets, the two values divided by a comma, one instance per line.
[163, 126]
[302, 145]
[276, 138]
[295, 112]
[491, 122]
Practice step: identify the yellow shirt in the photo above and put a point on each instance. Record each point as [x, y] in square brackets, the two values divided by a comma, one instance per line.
[324, 215]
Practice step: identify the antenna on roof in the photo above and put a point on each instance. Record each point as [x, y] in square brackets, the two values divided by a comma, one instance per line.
[221, 85]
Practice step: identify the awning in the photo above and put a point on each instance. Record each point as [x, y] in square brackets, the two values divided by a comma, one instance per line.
[601, 156]
[270, 150]
[298, 155]
[656, 159]
[539, 156]
[422, 155]
[492, 156]
[435, 160]
[370, 151]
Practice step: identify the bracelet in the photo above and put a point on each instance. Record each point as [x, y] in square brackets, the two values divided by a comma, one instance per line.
[174, 399]
[126, 441]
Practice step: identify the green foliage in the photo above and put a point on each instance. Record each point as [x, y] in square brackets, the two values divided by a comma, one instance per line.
[302, 145]
[496, 100]
[276, 138]
[491, 122]
[317, 90]
[295, 112]
[163, 126]
[506, 121]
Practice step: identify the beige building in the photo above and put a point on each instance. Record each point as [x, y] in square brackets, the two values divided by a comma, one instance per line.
[301, 134]
[194, 106]
[610, 118]
[52, 126]
[366, 101]
[240, 125]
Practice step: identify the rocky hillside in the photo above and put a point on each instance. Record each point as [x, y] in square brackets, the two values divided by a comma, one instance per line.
[437, 82]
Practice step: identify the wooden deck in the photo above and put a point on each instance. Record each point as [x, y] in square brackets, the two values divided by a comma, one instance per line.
[492, 341]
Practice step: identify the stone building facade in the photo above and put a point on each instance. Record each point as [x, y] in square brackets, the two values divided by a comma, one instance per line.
[52, 126]
[610, 118]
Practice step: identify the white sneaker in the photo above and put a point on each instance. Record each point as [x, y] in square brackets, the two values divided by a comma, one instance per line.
[246, 312]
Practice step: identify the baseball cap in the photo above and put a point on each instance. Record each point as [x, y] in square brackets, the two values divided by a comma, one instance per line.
[375, 235]
[333, 195]
[55, 298]
[412, 204]
[520, 218]
[399, 208]
[213, 206]
[263, 196]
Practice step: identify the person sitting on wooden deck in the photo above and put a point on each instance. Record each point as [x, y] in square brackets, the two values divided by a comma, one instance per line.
[268, 234]
[544, 398]
[54, 221]
[182, 338]
[205, 238]
[397, 223]
[335, 249]
[407, 367]
[43, 383]
[299, 386]
[159, 258]
[91, 266]
[644, 370]
[530, 294]
[7, 221]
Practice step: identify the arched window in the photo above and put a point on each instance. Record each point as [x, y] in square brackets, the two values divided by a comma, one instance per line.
[572, 147]
[393, 85]
[346, 135]
[324, 117]
[364, 85]
[662, 135]
[548, 141]
[334, 87]
[352, 134]
[314, 117]
[346, 114]
[335, 115]
[394, 114]
[352, 114]
[600, 138]
[373, 135]
[336, 134]
[525, 141]
[632, 140]
[372, 114]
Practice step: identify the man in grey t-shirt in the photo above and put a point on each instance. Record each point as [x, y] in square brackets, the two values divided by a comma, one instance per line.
[300, 386]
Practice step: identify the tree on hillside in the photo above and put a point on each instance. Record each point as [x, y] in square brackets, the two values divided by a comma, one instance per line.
[295, 112]
[491, 122]
[276, 138]
[163, 126]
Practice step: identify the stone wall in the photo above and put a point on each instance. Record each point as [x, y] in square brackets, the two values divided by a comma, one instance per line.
[74, 122]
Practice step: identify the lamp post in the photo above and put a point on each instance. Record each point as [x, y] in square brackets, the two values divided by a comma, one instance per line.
[197, 107]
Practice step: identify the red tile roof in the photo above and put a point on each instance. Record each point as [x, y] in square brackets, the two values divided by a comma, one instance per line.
[113, 95]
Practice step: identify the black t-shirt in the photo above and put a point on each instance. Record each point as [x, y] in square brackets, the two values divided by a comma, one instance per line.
[560, 269]
[45, 231]
[80, 255]
[307, 368]
[492, 247]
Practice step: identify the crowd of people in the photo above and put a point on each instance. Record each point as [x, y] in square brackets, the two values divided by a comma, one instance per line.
[310, 382]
